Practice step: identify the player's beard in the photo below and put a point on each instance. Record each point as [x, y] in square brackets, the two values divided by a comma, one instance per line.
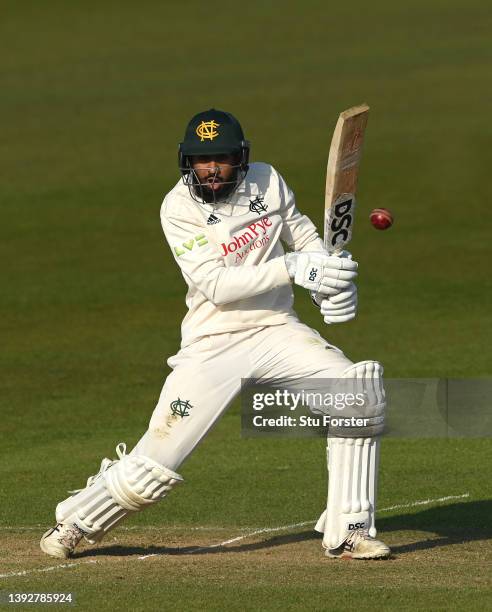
[206, 191]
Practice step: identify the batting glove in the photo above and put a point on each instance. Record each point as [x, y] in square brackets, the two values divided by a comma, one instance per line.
[341, 307]
[321, 273]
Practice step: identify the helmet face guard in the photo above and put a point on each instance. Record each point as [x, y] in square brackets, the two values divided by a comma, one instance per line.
[210, 134]
[200, 190]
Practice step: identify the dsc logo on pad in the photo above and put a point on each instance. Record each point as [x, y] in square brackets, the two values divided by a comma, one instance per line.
[354, 526]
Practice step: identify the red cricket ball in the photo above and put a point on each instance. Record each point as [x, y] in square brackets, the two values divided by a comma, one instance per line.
[381, 218]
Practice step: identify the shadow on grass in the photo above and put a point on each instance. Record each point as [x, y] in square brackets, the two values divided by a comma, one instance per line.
[198, 550]
[456, 523]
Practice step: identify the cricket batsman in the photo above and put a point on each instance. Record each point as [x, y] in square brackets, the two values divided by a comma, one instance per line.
[240, 242]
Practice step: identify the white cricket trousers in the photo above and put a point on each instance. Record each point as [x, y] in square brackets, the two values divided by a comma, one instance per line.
[207, 375]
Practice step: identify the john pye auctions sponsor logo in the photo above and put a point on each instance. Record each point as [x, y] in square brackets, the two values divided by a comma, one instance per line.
[250, 233]
[256, 244]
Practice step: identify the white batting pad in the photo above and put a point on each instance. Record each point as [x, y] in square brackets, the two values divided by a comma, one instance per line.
[122, 487]
[352, 484]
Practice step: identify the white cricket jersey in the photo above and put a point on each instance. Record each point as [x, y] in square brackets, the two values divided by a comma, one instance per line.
[231, 255]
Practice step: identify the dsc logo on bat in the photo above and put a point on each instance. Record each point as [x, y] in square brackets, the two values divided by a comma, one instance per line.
[341, 219]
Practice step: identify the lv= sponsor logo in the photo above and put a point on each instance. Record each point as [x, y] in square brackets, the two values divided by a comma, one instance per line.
[199, 240]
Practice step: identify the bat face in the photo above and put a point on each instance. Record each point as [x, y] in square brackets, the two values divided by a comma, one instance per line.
[341, 177]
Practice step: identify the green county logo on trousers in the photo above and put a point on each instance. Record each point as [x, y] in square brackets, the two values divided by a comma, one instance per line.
[181, 407]
[200, 240]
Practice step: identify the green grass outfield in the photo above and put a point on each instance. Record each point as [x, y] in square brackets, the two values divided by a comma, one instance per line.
[94, 98]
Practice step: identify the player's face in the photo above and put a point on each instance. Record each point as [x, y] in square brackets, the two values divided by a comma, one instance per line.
[214, 170]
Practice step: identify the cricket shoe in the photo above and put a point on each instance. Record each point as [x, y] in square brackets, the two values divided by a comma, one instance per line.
[360, 545]
[61, 540]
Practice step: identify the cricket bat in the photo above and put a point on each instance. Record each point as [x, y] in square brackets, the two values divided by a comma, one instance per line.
[341, 177]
